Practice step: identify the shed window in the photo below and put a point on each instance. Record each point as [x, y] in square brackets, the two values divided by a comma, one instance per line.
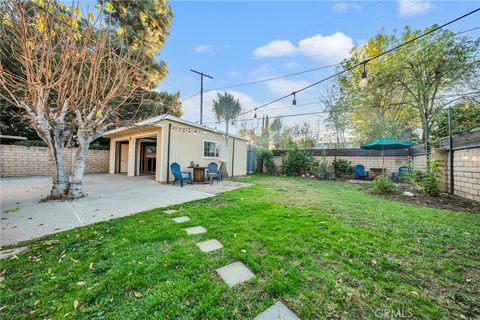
[211, 149]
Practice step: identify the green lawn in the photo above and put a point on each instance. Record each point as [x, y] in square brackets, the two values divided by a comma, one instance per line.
[326, 249]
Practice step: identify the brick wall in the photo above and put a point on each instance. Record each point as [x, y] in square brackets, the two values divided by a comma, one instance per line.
[18, 161]
[392, 163]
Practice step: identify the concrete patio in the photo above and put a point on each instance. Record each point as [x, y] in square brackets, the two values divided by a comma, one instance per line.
[108, 197]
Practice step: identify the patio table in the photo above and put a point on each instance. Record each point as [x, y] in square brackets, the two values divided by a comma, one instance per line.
[199, 174]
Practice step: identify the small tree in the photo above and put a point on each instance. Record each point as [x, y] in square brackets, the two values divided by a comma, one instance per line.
[226, 107]
[70, 76]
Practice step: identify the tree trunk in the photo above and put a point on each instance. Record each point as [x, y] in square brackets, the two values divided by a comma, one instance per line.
[60, 179]
[76, 190]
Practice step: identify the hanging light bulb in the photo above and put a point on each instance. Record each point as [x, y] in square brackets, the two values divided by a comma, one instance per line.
[232, 123]
[364, 79]
[294, 102]
[255, 115]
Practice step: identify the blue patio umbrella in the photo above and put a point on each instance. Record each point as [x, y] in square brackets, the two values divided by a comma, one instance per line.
[385, 144]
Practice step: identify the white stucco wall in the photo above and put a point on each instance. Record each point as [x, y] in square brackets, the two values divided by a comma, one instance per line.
[184, 147]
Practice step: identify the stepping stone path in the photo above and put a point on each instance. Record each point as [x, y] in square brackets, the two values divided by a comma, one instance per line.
[209, 245]
[277, 311]
[181, 219]
[235, 273]
[196, 230]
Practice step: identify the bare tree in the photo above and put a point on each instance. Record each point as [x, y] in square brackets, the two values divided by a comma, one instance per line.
[69, 74]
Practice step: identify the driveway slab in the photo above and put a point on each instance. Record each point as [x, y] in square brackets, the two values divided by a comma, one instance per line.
[235, 273]
[109, 196]
[277, 311]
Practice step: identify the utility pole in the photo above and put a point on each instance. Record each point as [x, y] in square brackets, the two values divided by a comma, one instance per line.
[450, 147]
[201, 91]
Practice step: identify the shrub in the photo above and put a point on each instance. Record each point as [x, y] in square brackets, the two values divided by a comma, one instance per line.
[325, 171]
[31, 143]
[343, 167]
[383, 185]
[297, 162]
[265, 159]
[425, 181]
[429, 184]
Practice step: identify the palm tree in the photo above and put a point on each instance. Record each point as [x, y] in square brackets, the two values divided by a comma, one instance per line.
[226, 107]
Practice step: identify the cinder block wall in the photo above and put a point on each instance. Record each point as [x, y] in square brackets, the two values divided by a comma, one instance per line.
[19, 161]
[466, 173]
[392, 163]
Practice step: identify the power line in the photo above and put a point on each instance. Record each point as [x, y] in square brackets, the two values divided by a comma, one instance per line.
[459, 95]
[264, 80]
[308, 70]
[365, 61]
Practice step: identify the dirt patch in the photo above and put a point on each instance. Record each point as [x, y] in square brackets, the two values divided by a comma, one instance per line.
[444, 201]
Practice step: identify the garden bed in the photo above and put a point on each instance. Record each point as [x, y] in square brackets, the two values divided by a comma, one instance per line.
[444, 201]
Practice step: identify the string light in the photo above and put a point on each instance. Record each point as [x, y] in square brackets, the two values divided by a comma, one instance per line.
[294, 102]
[364, 80]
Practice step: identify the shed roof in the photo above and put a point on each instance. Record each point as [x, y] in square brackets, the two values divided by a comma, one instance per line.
[156, 122]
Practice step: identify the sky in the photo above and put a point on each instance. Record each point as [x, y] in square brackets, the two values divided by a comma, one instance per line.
[243, 41]
[237, 42]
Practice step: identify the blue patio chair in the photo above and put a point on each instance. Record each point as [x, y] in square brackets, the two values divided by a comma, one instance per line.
[179, 175]
[401, 172]
[213, 172]
[360, 172]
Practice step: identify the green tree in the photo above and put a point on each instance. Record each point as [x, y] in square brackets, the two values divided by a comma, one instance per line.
[276, 134]
[433, 65]
[465, 117]
[144, 24]
[380, 108]
[226, 107]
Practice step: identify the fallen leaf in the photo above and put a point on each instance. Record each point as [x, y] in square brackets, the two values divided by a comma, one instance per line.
[138, 294]
[374, 262]
[243, 251]
[90, 266]
[415, 293]
[74, 260]
[81, 283]
[36, 302]
[75, 304]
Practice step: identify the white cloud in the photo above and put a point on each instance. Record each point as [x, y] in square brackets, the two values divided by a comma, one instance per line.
[275, 48]
[204, 48]
[413, 7]
[283, 86]
[344, 6]
[328, 49]
[191, 107]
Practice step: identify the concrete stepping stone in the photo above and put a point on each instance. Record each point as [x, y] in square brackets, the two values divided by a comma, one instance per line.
[209, 245]
[235, 273]
[169, 211]
[196, 230]
[11, 252]
[181, 219]
[277, 311]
